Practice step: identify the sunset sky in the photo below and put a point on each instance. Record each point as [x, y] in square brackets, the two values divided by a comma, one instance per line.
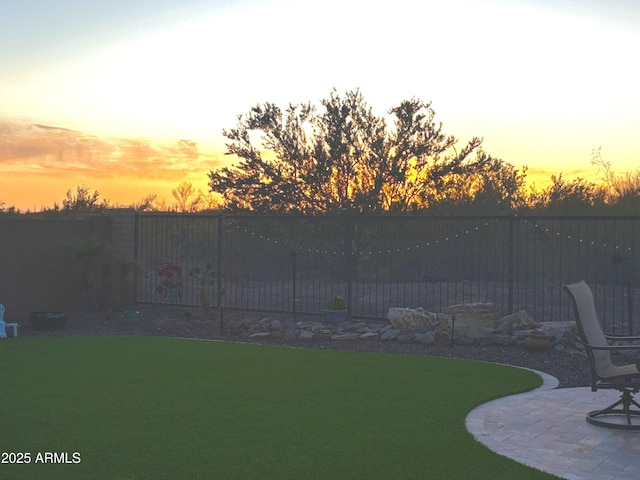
[129, 97]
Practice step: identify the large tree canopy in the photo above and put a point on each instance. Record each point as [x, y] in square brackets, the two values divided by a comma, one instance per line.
[343, 157]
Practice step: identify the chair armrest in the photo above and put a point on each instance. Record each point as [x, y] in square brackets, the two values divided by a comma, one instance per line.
[616, 338]
[611, 348]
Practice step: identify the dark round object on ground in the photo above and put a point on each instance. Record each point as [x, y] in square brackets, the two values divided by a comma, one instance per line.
[47, 320]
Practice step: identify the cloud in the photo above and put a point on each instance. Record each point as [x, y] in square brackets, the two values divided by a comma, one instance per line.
[37, 149]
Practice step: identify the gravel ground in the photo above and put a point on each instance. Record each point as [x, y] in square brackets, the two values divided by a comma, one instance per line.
[570, 369]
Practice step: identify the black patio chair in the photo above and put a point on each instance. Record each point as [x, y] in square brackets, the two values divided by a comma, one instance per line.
[625, 413]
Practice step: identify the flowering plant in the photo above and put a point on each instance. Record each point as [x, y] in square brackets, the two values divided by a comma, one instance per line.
[170, 283]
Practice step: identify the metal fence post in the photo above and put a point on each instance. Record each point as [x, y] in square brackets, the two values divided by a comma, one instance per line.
[136, 257]
[510, 260]
[219, 288]
[293, 283]
[349, 254]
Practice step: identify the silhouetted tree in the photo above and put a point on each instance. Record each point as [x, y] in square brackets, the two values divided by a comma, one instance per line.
[498, 188]
[12, 210]
[146, 203]
[501, 188]
[83, 201]
[186, 197]
[622, 191]
[191, 200]
[577, 196]
[343, 158]
[627, 193]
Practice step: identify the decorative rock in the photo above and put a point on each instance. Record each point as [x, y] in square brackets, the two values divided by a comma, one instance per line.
[410, 318]
[571, 338]
[345, 336]
[316, 327]
[370, 336]
[265, 323]
[425, 338]
[345, 326]
[275, 325]
[405, 338]
[360, 327]
[327, 332]
[482, 314]
[306, 325]
[390, 334]
[443, 322]
[563, 332]
[259, 334]
[254, 329]
[291, 333]
[305, 335]
[520, 335]
[476, 331]
[516, 321]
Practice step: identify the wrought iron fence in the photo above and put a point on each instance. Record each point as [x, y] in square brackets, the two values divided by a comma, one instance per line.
[298, 263]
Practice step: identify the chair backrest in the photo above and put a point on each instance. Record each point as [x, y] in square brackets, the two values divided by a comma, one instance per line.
[584, 308]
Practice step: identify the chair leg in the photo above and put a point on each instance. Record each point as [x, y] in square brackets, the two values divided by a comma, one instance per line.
[621, 408]
[628, 407]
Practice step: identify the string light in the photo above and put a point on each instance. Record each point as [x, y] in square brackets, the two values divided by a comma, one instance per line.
[429, 243]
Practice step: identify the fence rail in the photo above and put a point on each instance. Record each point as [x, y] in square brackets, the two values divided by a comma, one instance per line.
[298, 263]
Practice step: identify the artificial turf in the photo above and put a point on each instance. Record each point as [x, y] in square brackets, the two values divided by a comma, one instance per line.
[156, 408]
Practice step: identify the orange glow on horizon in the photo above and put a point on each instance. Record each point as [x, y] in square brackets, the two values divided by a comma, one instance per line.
[40, 163]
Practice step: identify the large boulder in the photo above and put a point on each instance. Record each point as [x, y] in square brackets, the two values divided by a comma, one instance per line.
[515, 322]
[412, 318]
[476, 314]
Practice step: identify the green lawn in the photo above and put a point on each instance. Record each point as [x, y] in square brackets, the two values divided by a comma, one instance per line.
[156, 408]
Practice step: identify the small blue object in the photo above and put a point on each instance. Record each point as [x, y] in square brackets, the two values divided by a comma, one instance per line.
[3, 332]
[4, 325]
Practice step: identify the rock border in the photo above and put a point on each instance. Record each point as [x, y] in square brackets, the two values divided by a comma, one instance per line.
[469, 324]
